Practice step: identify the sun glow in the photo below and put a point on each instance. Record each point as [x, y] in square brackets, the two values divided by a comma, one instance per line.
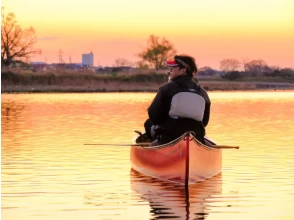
[112, 29]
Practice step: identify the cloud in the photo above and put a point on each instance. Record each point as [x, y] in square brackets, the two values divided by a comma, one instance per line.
[49, 38]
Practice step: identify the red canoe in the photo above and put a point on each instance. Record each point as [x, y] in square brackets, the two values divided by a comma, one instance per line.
[184, 160]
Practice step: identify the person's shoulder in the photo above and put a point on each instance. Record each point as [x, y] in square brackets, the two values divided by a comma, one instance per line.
[203, 90]
[204, 94]
[170, 84]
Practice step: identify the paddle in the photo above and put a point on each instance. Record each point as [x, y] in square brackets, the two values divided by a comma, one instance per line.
[127, 145]
[224, 147]
[148, 144]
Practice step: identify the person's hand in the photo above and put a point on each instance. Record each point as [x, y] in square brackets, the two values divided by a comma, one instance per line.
[168, 73]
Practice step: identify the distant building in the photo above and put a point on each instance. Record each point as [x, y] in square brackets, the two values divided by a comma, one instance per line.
[38, 63]
[38, 66]
[87, 59]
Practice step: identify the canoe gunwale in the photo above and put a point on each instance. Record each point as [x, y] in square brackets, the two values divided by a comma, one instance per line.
[182, 137]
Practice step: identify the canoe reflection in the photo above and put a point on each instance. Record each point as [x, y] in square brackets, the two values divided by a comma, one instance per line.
[169, 200]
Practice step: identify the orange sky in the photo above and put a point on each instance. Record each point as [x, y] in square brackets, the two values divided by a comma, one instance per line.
[209, 30]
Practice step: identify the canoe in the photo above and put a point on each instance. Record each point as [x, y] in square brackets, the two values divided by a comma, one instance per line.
[184, 160]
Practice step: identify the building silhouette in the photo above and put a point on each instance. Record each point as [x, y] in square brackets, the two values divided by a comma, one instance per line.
[87, 59]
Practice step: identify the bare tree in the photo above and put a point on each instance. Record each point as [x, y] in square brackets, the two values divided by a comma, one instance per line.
[157, 51]
[229, 65]
[16, 43]
[141, 65]
[256, 66]
[121, 62]
[244, 62]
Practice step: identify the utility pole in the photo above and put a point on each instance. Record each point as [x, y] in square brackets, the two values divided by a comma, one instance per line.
[60, 57]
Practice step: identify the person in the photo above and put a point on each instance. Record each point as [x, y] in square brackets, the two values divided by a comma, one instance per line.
[180, 105]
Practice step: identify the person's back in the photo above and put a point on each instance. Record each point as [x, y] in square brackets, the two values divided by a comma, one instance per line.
[180, 105]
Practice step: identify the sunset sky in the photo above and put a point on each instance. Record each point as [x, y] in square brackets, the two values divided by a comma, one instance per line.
[209, 30]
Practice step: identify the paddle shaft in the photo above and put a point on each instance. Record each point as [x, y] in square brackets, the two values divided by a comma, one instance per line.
[225, 147]
[126, 145]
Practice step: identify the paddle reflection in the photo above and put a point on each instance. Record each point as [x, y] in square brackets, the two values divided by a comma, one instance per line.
[169, 200]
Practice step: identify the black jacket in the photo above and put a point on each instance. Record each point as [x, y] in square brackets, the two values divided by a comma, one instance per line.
[159, 110]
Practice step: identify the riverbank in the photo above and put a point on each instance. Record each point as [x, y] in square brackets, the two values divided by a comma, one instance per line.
[91, 82]
[141, 87]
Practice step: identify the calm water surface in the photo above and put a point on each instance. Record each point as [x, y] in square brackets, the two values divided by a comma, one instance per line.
[48, 172]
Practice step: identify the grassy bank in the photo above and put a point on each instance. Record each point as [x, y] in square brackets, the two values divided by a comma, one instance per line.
[94, 82]
[79, 82]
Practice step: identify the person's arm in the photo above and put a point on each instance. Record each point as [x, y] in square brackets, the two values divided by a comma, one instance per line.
[206, 115]
[156, 107]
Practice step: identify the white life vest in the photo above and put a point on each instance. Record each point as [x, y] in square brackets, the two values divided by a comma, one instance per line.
[187, 105]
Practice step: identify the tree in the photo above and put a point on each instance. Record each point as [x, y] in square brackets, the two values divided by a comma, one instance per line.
[257, 66]
[141, 65]
[121, 62]
[16, 43]
[229, 65]
[206, 71]
[157, 51]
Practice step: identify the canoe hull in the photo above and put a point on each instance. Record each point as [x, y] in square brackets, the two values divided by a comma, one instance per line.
[169, 161]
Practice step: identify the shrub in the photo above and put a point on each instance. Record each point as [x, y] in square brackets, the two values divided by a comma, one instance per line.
[234, 75]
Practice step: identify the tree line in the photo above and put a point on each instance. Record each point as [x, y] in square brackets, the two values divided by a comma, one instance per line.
[17, 46]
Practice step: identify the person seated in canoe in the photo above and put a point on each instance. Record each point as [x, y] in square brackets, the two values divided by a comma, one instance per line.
[180, 105]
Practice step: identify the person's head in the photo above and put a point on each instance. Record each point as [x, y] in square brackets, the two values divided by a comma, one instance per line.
[181, 65]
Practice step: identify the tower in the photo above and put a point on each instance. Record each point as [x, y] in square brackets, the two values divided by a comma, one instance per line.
[60, 57]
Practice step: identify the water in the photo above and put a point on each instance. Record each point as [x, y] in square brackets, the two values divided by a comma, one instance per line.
[48, 172]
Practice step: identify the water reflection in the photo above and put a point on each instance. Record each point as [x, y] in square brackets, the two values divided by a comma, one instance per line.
[168, 200]
[48, 172]
[11, 112]
[11, 123]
